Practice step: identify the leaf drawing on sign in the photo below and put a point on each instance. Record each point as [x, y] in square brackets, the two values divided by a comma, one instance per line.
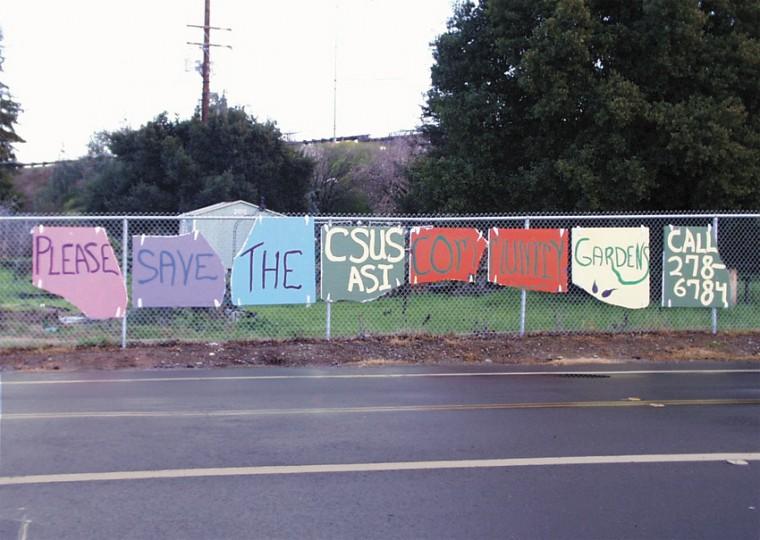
[606, 293]
[594, 288]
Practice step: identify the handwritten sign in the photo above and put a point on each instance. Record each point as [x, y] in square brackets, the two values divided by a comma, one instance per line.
[361, 263]
[534, 259]
[79, 264]
[176, 271]
[693, 274]
[276, 265]
[612, 264]
[440, 254]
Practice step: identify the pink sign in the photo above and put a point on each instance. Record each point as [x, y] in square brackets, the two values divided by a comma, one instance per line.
[79, 264]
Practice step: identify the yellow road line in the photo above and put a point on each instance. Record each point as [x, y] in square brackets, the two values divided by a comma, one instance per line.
[374, 467]
[373, 409]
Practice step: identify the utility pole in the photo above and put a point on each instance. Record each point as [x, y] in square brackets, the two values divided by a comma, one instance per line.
[206, 60]
[206, 65]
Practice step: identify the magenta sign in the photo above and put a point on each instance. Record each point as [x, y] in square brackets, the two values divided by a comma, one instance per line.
[79, 264]
[176, 271]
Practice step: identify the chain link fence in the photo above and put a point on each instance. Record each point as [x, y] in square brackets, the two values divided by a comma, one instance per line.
[30, 316]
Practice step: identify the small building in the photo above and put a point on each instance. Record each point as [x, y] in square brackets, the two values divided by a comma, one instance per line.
[226, 236]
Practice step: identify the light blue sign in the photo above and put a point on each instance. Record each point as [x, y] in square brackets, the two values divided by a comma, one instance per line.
[276, 265]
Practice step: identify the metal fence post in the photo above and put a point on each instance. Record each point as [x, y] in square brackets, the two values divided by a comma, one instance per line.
[328, 302]
[523, 297]
[328, 317]
[715, 310]
[124, 254]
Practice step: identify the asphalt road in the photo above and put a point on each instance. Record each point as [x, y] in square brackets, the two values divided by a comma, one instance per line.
[417, 452]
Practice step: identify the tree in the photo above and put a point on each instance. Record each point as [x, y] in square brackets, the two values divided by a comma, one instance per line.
[178, 165]
[593, 105]
[63, 192]
[335, 187]
[385, 175]
[9, 110]
[359, 177]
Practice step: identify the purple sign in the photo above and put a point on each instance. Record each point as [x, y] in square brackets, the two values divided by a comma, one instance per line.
[176, 271]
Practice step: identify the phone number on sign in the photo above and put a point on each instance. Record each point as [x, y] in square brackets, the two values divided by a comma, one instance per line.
[699, 282]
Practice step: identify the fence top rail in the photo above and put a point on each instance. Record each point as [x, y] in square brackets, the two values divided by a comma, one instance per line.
[392, 219]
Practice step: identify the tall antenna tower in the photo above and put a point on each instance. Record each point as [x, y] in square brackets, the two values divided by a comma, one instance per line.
[336, 30]
[206, 47]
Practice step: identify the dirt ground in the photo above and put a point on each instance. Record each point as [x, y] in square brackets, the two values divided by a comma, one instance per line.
[497, 349]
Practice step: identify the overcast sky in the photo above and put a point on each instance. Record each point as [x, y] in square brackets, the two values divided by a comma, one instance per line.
[81, 66]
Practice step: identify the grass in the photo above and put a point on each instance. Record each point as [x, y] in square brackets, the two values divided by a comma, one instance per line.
[489, 311]
[492, 312]
[18, 294]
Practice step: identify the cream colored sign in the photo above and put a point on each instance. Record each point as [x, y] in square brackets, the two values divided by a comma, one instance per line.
[612, 264]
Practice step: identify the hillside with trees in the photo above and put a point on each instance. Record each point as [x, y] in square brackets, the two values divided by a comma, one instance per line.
[362, 176]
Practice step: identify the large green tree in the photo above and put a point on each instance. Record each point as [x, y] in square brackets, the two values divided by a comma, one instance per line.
[9, 110]
[593, 105]
[178, 165]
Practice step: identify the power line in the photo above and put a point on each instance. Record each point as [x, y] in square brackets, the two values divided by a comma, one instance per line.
[35, 164]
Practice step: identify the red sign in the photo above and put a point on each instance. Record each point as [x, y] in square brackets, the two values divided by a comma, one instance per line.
[534, 259]
[440, 254]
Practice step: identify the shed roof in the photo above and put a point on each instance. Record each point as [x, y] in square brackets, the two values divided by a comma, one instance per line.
[221, 205]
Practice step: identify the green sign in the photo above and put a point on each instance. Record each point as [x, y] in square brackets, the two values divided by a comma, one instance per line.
[693, 274]
[360, 263]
